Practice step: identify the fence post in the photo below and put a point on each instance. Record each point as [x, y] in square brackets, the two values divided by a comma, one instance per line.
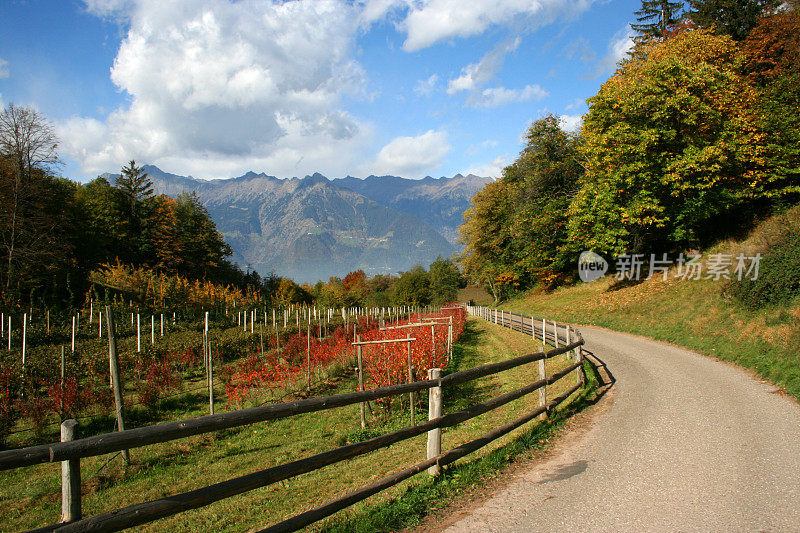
[361, 406]
[567, 332]
[543, 390]
[210, 378]
[555, 334]
[434, 411]
[579, 357]
[70, 477]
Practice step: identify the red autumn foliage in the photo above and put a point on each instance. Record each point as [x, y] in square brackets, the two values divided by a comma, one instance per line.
[68, 398]
[383, 364]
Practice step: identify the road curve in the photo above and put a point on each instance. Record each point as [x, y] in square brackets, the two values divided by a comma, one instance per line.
[688, 444]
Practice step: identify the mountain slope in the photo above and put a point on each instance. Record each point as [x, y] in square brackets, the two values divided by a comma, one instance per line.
[440, 202]
[309, 228]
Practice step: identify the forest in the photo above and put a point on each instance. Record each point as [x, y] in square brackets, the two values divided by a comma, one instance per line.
[66, 243]
[693, 139]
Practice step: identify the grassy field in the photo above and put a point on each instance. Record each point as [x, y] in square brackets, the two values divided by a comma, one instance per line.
[692, 313]
[31, 496]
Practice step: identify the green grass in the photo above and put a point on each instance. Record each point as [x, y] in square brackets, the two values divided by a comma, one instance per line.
[434, 494]
[31, 496]
[693, 314]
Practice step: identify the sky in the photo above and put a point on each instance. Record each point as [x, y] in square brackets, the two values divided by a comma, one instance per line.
[216, 88]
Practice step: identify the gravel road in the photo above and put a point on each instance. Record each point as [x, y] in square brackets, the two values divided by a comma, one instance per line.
[688, 444]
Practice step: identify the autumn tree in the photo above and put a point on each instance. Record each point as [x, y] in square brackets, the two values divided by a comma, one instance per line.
[204, 249]
[772, 51]
[167, 236]
[412, 288]
[355, 288]
[515, 229]
[445, 280]
[672, 142]
[487, 257]
[28, 147]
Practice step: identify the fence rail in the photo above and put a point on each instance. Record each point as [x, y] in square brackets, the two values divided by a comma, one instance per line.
[141, 513]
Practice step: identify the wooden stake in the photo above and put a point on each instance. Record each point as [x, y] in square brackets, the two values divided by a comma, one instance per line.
[359, 361]
[115, 377]
[412, 398]
[434, 411]
[70, 477]
[24, 335]
[308, 357]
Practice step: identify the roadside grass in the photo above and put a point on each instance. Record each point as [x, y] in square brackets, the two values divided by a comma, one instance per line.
[31, 496]
[691, 313]
[432, 495]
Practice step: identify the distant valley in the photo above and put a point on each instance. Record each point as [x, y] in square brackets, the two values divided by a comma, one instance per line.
[312, 228]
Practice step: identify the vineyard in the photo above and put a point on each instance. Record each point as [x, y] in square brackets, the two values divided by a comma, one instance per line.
[52, 373]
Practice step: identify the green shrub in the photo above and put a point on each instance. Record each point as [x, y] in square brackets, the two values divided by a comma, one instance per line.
[778, 280]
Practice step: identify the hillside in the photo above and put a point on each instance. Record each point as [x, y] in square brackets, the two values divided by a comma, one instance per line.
[313, 228]
[697, 314]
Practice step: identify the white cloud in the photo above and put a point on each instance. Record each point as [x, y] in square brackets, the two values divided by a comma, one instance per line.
[571, 123]
[223, 87]
[499, 96]
[493, 169]
[430, 21]
[3, 68]
[618, 47]
[489, 143]
[476, 75]
[109, 8]
[374, 10]
[576, 103]
[412, 156]
[426, 87]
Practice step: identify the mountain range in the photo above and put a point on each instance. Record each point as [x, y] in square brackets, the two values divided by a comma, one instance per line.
[312, 228]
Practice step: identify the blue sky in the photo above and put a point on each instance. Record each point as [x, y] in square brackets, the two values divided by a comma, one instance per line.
[214, 88]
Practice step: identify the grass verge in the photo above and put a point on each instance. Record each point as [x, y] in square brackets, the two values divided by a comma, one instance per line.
[429, 495]
[692, 313]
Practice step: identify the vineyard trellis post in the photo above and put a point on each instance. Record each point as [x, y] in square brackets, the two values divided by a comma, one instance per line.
[24, 336]
[308, 355]
[359, 361]
[115, 378]
[411, 395]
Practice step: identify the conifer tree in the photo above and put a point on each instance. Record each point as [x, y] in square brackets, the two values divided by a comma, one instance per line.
[655, 17]
[730, 17]
[135, 185]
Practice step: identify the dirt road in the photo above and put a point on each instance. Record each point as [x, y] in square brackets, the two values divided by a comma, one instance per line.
[688, 444]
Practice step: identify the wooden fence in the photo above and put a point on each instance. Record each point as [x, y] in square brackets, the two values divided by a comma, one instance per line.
[69, 452]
